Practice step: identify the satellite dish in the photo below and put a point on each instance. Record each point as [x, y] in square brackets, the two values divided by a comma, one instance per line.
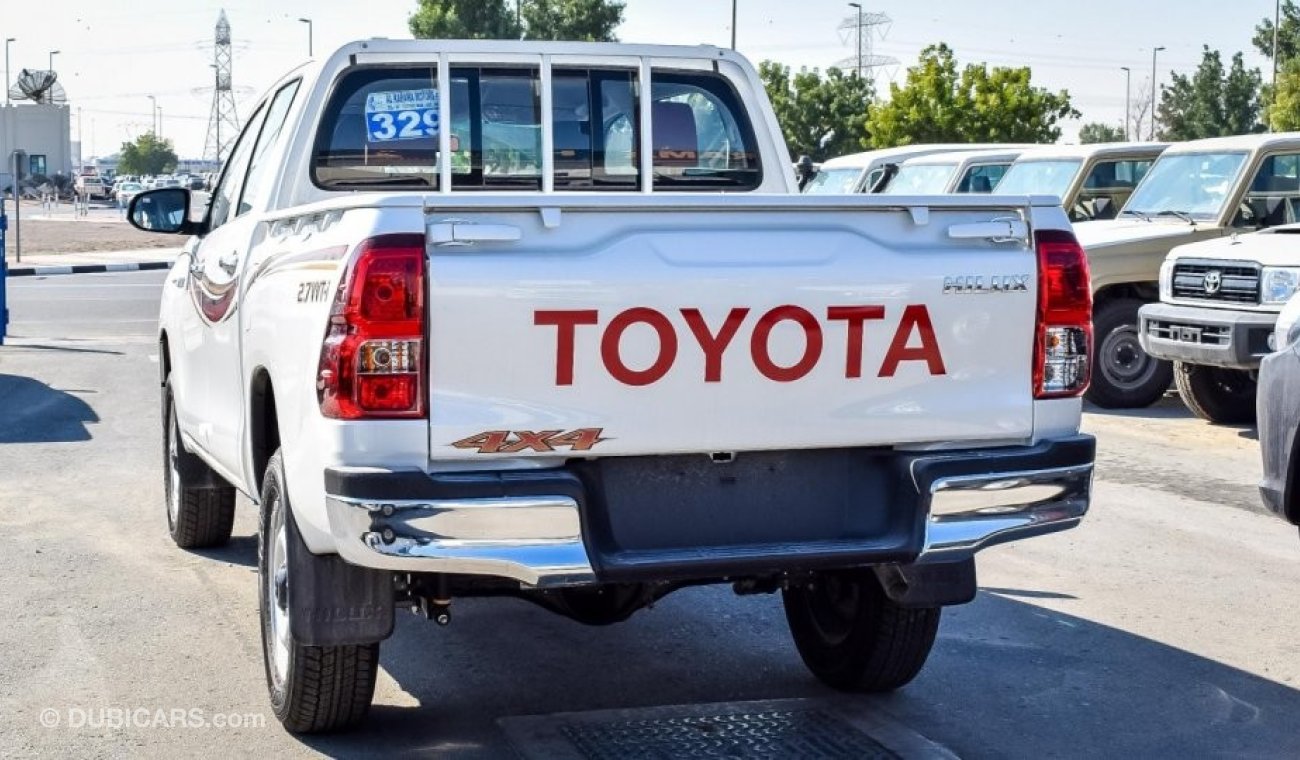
[39, 86]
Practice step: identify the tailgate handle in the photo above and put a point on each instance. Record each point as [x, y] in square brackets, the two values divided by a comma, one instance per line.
[997, 231]
[456, 232]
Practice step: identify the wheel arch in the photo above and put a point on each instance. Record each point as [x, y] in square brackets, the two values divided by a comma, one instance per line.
[1142, 291]
[263, 424]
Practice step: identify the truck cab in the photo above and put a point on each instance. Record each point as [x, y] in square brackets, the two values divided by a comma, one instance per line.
[1198, 190]
[1092, 181]
[971, 171]
[864, 172]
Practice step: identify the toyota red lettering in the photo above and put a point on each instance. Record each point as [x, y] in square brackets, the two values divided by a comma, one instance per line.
[914, 340]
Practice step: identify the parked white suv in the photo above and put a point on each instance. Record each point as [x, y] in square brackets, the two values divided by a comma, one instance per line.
[547, 320]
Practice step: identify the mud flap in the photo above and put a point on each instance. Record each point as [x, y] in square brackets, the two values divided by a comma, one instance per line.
[333, 603]
[940, 584]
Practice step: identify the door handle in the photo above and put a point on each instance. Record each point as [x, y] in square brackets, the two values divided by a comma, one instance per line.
[229, 262]
[997, 231]
[457, 232]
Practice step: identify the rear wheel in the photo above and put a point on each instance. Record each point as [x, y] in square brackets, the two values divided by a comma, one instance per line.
[313, 689]
[198, 514]
[1123, 375]
[855, 638]
[1223, 396]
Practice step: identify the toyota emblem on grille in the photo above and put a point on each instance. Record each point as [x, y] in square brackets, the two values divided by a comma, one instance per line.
[1213, 281]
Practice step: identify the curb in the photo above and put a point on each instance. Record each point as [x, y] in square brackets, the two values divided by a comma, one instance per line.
[88, 269]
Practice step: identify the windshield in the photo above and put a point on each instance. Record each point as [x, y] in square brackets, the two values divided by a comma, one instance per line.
[1188, 184]
[1039, 178]
[921, 179]
[834, 181]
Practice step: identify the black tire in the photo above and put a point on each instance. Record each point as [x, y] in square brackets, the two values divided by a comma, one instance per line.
[1222, 396]
[199, 514]
[313, 689]
[1123, 375]
[853, 637]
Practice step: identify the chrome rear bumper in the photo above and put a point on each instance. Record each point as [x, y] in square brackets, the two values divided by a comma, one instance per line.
[969, 513]
[536, 540]
[531, 527]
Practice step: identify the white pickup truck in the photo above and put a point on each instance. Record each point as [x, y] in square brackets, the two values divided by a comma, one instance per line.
[549, 320]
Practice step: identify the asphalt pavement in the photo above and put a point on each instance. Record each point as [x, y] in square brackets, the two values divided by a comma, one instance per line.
[1168, 626]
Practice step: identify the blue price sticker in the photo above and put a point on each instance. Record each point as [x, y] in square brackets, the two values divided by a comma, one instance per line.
[401, 115]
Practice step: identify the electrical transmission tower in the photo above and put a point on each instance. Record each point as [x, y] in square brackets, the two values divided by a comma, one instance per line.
[223, 124]
[861, 28]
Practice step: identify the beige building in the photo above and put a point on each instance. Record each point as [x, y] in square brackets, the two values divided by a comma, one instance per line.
[43, 132]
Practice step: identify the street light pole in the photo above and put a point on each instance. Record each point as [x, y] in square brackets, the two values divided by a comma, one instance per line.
[52, 54]
[733, 23]
[1128, 91]
[859, 34]
[153, 115]
[307, 21]
[159, 122]
[1277, 20]
[8, 41]
[1154, 51]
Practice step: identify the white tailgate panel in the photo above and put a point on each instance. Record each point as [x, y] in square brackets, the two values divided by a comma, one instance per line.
[493, 369]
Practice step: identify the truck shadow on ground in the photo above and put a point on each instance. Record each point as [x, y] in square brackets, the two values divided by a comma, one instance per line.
[1007, 678]
[33, 412]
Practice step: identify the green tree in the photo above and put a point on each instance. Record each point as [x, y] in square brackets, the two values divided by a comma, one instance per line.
[1096, 132]
[1211, 102]
[938, 103]
[148, 154]
[463, 19]
[820, 116]
[1284, 111]
[584, 20]
[592, 20]
[1288, 38]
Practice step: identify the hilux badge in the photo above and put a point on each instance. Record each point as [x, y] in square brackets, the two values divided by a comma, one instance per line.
[979, 284]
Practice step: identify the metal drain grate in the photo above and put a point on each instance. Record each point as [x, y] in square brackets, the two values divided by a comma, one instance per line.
[802, 729]
[778, 734]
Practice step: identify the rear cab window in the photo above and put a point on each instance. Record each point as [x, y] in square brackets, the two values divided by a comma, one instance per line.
[381, 128]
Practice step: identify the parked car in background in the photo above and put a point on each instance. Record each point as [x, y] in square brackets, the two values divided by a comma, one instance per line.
[863, 172]
[1277, 406]
[971, 171]
[1092, 181]
[123, 192]
[92, 187]
[1195, 191]
[1219, 305]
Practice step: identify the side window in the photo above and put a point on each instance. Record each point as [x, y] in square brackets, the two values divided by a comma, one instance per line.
[1107, 188]
[1273, 195]
[36, 164]
[982, 179]
[223, 198]
[702, 138]
[595, 122]
[259, 170]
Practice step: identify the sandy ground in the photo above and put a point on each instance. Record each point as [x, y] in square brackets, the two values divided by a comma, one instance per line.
[102, 230]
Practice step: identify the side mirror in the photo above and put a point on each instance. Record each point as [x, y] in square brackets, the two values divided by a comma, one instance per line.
[165, 209]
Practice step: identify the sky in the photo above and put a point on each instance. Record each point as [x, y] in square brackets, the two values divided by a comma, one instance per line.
[115, 53]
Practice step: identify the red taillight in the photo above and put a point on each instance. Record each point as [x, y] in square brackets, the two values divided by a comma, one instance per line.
[1063, 336]
[372, 362]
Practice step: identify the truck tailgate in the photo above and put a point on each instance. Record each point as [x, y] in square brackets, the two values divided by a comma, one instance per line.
[654, 325]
